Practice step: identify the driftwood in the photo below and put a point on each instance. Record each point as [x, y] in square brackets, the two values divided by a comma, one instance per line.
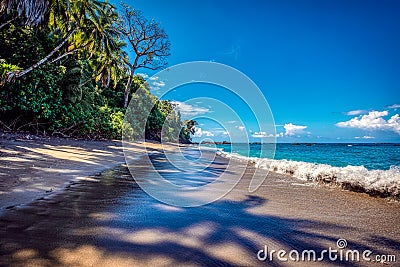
[63, 132]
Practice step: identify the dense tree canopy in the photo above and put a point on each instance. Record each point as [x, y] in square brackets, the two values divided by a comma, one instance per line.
[65, 70]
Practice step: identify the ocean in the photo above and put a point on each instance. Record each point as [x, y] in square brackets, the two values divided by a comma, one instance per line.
[370, 168]
[371, 156]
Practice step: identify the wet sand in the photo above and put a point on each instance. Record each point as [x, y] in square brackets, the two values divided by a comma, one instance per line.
[107, 220]
[34, 168]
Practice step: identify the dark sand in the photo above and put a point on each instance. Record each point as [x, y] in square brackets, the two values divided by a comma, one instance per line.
[108, 220]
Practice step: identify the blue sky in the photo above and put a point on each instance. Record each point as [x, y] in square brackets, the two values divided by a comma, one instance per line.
[330, 70]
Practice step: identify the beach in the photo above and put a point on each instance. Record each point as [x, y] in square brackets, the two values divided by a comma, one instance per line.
[199, 133]
[97, 215]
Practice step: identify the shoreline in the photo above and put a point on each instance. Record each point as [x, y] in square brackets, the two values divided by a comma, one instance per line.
[108, 219]
[375, 183]
[38, 167]
[46, 166]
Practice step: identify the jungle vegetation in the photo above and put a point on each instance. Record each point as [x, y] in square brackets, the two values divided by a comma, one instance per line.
[68, 68]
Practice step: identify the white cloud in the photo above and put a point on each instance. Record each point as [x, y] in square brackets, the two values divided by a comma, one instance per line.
[159, 84]
[261, 135]
[241, 128]
[230, 122]
[189, 110]
[394, 123]
[394, 106]
[218, 131]
[373, 121]
[144, 75]
[368, 137]
[355, 112]
[200, 133]
[291, 129]
[364, 137]
[154, 78]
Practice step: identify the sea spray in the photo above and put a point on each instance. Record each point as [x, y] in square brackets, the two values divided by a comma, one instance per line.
[383, 183]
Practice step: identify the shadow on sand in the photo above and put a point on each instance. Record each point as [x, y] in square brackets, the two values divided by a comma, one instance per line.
[109, 220]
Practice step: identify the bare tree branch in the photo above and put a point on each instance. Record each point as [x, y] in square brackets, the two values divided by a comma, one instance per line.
[148, 41]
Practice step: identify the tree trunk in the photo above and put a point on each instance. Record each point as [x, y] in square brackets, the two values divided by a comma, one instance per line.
[6, 23]
[10, 76]
[128, 88]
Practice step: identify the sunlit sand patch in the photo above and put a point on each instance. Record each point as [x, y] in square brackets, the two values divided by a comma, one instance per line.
[87, 255]
[201, 230]
[102, 152]
[167, 207]
[230, 253]
[129, 148]
[25, 254]
[14, 159]
[90, 179]
[148, 236]
[103, 216]
[82, 256]
[67, 153]
[26, 155]
[55, 170]
[33, 187]
[298, 184]
[192, 237]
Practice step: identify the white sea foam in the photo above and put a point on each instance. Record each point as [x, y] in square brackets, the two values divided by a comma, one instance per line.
[384, 183]
[205, 148]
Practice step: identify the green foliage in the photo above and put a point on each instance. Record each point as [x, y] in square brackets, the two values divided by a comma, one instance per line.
[80, 94]
[6, 67]
[188, 128]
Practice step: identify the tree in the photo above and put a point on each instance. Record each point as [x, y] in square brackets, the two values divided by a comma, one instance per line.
[188, 129]
[110, 66]
[81, 95]
[32, 13]
[149, 42]
[87, 27]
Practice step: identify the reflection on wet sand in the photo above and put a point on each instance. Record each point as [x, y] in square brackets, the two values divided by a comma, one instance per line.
[109, 221]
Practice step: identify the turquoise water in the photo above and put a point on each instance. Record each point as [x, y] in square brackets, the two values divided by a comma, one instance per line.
[371, 156]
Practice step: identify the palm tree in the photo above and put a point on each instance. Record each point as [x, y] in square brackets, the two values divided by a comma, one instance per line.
[88, 28]
[111, 67]
[31, 12]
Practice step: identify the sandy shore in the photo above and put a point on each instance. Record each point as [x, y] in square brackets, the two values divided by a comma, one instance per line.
[107, 220]
[33, 168]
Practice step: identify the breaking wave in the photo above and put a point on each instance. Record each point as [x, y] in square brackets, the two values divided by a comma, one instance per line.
[382, 183]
